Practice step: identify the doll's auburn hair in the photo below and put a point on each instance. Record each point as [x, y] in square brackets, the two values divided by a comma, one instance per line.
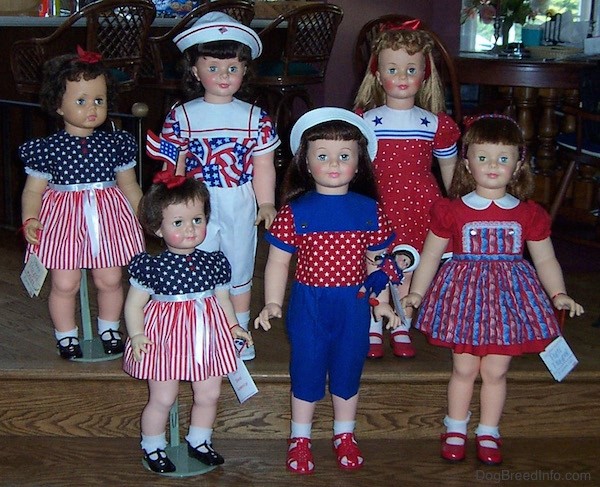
[298, 181]
[159, 196]
[493, 129]
[431, 94]
[70, 67]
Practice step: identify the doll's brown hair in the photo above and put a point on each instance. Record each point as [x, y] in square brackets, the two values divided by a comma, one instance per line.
[493, 129]
[431, 94]
[159, 196]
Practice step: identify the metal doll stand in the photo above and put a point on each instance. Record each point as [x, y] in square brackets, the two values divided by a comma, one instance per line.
[91, 345]
[177, 453]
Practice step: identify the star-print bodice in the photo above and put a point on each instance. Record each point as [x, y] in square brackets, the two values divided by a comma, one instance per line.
[169, 273]
[331, 234]
[220, 139]
[67, 159]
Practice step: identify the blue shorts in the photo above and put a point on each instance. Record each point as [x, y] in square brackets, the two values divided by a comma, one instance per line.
[328, 329]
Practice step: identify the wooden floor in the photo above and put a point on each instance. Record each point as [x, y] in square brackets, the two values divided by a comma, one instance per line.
[549, 429]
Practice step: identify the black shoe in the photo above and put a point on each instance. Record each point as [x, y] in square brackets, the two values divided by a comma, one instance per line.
[209, 457]
[69, 348]
[161, 464]
[112, 342]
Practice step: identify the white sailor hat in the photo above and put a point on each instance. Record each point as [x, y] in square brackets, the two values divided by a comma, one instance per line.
[325, 114]
[405, 248]
[218, 26]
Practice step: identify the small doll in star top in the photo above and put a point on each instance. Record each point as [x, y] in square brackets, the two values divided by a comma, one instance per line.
[179, 317]
[227, 143]
[402, 98]
[487, 303]
[331, 220]
[80, 198]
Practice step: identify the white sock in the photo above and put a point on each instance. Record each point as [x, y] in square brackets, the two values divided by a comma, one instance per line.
[105, 325]
[153, 443]
[375, 327]
[456, 426]
[198, 435]
[484, 430]
[65, 334]
[340, 427]
[243, 319]
[401, 337]
[300, 430]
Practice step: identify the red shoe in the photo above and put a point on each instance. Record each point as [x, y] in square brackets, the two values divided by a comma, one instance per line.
[349, 456]
[453, 453]
[299, 457]
[487, 455]
[375, 349]
[402, 349]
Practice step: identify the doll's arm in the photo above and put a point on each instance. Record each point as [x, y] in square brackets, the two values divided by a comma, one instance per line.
[134, 321]
[127, 183]
[263, 183]
[31, 202]
[447, 170]
[236, 330]
[382, 308]
[551, 276]
[433, 250]
[276, 275]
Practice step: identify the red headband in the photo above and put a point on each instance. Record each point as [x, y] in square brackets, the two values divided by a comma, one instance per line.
[414, 24]
[169, 179]
[89, 57]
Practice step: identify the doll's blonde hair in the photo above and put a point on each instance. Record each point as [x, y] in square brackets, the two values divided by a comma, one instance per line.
[431, 94]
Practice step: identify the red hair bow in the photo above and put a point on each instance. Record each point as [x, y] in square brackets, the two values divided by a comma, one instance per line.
[169, 179]
[413, 24]
[89, 57]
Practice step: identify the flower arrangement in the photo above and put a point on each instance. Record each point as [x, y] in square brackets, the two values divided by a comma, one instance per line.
[513, 11]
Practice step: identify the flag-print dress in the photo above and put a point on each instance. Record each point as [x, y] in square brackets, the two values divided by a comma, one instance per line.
[183, 318]
[87, 221]
[488, 299]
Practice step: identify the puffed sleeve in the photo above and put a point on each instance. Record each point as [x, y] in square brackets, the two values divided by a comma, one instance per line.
[126, 150]
[539, 222]
[268, 140]
[442, 218]
[446, 137]
[141, 271]
[282, 233]
[222, 269]
[35, 155]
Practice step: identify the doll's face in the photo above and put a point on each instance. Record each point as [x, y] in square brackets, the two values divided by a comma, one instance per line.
[332, 164]
[221, 78]
[401, 76]
[492, 166]
[183, 226]
[403, 261]
[84, 106]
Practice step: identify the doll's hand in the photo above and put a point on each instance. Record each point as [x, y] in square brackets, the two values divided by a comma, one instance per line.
[139, 345]
[412, 300]
[266, 213]
[31, 231]
[563, 301]
[238, 332]
[271, 310]
[384, 310]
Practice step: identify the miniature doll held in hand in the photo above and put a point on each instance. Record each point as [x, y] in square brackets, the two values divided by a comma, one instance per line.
[180, 320]
[80, 196]
[487, 303]
[227, 143]
[333, 223]
[402, 98]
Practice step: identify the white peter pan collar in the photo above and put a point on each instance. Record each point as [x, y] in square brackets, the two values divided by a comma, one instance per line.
[473, 200]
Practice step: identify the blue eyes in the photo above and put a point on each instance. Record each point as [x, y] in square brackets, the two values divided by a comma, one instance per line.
[196, 221]
[97, 101]
[412, 71]
[501, 159]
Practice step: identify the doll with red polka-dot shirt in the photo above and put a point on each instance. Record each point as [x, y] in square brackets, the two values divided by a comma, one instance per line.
[401, 97]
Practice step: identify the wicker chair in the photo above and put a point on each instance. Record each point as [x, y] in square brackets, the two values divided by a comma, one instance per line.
[116, 29]
[443, 60]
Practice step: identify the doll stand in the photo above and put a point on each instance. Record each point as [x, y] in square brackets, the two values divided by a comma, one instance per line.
[177, 453]
[91, 345]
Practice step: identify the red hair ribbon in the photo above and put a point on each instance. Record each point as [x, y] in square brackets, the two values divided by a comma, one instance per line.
[89, 57]
[470, 120]
[169, 179]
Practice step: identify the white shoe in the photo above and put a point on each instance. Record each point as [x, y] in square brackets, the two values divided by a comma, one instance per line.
[248, 353]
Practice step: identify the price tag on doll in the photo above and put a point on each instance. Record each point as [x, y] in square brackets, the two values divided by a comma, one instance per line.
[33, 275]
[241, 381]
[559, 358]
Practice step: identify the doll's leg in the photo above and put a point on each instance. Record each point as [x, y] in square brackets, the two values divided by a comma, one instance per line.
[400, 339]
[204, 413]
[349, 456]
[375, 338]
[241, 306]
[61, 304]
[110, 304]
[492, 397]
[162, 395]
[299, 456]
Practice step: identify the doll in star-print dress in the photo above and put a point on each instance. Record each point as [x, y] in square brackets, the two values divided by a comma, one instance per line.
[179, 317]
[227, 143]
[80, 198]
[331, 220]
[402, 97]
[487, 303]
